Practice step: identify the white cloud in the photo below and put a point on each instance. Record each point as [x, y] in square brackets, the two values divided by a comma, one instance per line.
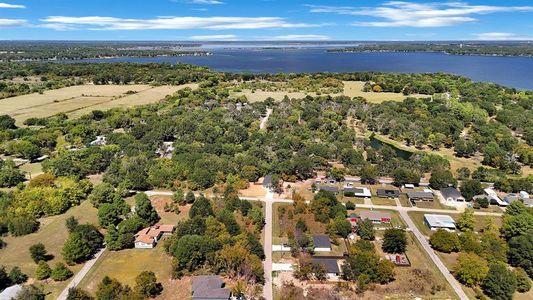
[5, 23]
[211, 23]
[216, 37]
[408, 14]
[7, 5]
[502, 36]
[206, 2]
[299, 37]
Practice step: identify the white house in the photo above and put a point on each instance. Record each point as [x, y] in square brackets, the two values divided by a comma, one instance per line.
[148, 237]
[435, 222]
[493, 197]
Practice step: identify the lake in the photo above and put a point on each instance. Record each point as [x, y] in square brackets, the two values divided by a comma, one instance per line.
[514, 72]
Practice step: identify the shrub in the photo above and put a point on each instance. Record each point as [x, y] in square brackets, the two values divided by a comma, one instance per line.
[445, 241]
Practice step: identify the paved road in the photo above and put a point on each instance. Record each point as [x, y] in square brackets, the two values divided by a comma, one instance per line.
[267, 265]
[80, 275]
[449, 277]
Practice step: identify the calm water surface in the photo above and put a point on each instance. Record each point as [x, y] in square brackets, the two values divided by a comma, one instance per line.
[514, 72]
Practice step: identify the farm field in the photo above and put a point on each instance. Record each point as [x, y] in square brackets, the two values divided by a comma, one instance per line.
[53, 235]
[79, 100]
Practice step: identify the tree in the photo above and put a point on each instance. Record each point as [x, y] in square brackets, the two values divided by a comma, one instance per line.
[471, 269]
[226, 217]
[500, 283]
[370, 264]
[78, 294]
[516, 225]
[368, 174]
[483, 202]
[30, 292]
[71, 223]
[365, 229]
[16, 276]
[7, 122]
[394, 241]
[340, 226]
[103, 193]
[471, 188]
[466, 221]
[61, 272]
[404, 176]
[108, 214]
[190, 198]
[22, 225]
[201, 207]
[145, 210]
[516, 208]
[523, 283]
[38, 252]
[5, 281]
[441, 179]
[146, 284]
[111, 289]
[350, 205]
[76, 249]
[445, 241]
[178, 197]
[521, 252]
[43, 270]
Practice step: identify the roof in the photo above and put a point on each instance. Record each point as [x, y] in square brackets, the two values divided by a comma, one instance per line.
[149, 234]
[361, 191]
[388, 193]
[209, 287]
[10, 292]
[450, 192]
[419, 195]
[321, 241]
[374, 215]
[327, 188]
[330, 264]
[443, 221]
[267, 181]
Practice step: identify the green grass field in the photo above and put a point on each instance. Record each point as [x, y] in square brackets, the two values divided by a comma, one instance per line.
[53, 235]
[383, 201]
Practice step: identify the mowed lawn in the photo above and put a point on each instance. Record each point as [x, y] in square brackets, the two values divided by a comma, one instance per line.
[355, 89]
[82, 99]
[126, 264]
[53, 235]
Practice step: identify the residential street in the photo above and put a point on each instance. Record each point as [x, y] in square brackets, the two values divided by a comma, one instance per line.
[80, 275]
[267, 264]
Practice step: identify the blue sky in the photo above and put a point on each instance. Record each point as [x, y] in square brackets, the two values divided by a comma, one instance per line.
[265, 20]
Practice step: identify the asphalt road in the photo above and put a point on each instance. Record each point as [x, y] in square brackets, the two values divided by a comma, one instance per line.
[267, 264]
[80, 275]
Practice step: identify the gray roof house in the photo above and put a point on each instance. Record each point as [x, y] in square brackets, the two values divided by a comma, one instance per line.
[330, 264]
[267, 182]
[451, 194]
[209, 287]
[388, 193]
[416, 196]
[321, 242]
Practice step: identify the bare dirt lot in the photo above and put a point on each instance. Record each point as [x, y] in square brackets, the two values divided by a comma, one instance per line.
[79, 100]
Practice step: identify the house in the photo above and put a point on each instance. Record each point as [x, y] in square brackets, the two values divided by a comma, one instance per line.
[209, 287]
[10, 292]
[327, 188]
[493, 197]
[148, 237]
[451, 194]
[420, 196]
[100, 141]
[321, 243]
[377, 217]
[357, 192]
[435, 222]
[512, 197]
[388, 193]
[330, 265]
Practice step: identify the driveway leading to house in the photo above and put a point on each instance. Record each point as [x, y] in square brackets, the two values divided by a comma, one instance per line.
[80, 275]
[449, 277]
